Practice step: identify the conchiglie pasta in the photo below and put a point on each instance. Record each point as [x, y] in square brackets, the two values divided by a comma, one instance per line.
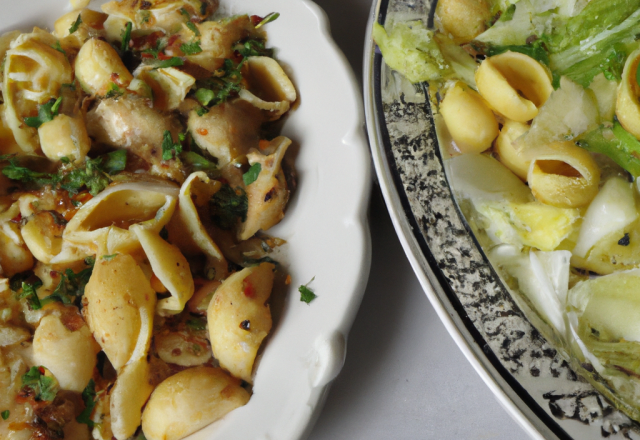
[514, 84]
[239, 319]
[189, 401]
[129, 394]
[270, 88]
[171, 268]
[268, 195]
[119, 304]
[103, 222]
[43, 236]
[64, 136]
[69, 355]
[99, 68]
[169, 86]
[508, 154]
[566, 176]
[33, 74]
[186, 227]
[627, 104]
[469, 120]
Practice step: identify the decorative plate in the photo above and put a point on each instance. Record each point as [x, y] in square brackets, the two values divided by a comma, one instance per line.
[325, 226]
[525, 371]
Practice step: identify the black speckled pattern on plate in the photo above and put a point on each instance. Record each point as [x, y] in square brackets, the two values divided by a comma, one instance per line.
[563, 405]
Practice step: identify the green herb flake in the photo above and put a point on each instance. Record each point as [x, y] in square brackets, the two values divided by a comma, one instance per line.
[252, 174]
[46, 113]
[109, 257]
[197, 324]
[29, 292]
[5, 414]
[253, 48]
[71, 286]
[229, 205]
[89, 398]
[115, 162]
[192, 48]
[202, 111]
[306, 294]
[45, 387]
[169, 148]
[204, 96]
[197, 162]
[59, 48]
[126, 37]
[74, 27]
[171, 62]
[268, 19]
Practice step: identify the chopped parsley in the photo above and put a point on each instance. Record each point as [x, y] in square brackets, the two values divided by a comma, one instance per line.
[171, 62]
[46, 113]
[126, 37]
[5, 414]
[252, 174]
[45, 387]
[71, 285]
[59, 48]
[204, 96]
[169, 148]
[109, 257]
[268, 19]
[192, 48]
[197, 162]
[192, 27]
[29, 292]
[114, 90]
[226, 83]
[253, 48]
[94, 175]
[89, 398]
[306, 294]
[196, 324]
[74, 27]
[228, 205]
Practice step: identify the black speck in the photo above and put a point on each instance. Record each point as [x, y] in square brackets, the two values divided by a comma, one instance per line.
[245, 325]
[624, 241]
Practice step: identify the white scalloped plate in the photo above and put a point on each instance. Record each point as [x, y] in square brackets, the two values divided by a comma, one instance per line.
[325, 225]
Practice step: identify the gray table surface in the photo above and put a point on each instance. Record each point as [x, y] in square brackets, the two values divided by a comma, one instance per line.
[404, 377]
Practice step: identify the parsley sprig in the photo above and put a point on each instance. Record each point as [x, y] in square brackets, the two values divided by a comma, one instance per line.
[226, 83]
[74, 27]
[89, 398]
[45, 387]
[252, 174]
[229, 205]
[306, 294]
[46, 113]
[94, 174]
[170, 149]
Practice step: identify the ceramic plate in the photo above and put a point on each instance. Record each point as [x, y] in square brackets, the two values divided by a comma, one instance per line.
[325, 224]
[530, 379]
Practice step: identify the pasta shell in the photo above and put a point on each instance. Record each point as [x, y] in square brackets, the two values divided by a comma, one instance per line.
[186, 228]
[469, 120]
[118, 306]
[64, 136]
[180, 349]
[104, 221]
[14, 254]
[227, 131]
[514, 84]
[627, 104]
[508, 155]
[69, 355]
[129, 394]
[99, 68]
[33, 73]
[43, 236]
[270, 88]
[169, 86]
[566, 176]
[268, 195]
[239, 319]
[190, 400]
[170, 266]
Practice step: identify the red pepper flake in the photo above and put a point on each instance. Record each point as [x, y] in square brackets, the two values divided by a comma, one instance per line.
[248, 289]
[173, 39]
[256, 19]
[203, 131]
[53, 274]
[17, 219]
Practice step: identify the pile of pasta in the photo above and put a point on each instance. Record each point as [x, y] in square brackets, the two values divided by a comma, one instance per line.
[140, 168]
